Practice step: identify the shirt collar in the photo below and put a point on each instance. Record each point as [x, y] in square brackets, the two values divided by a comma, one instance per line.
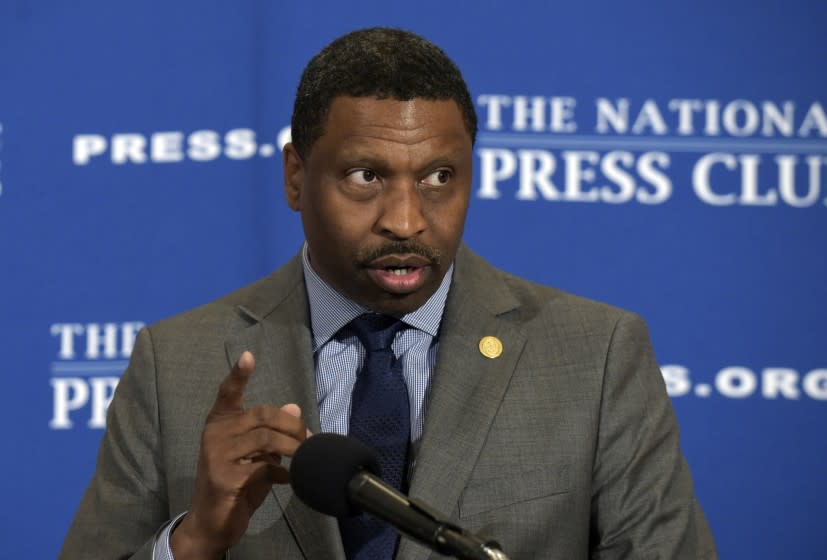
[330, 310]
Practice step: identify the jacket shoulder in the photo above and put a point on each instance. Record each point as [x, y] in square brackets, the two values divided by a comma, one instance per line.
[528, 300]
[244, 306]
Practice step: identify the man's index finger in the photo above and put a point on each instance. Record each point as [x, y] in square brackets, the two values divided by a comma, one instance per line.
[230, 396]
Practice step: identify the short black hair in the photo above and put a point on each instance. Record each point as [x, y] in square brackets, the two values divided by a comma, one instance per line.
[379, 62]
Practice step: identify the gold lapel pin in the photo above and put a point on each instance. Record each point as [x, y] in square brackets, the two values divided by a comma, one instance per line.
[491, 347]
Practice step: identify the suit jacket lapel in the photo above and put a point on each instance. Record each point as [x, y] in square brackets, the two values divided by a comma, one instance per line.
[467, 387]
[280, 339]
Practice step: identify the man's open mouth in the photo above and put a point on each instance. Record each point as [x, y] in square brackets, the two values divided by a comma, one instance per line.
[402, 271]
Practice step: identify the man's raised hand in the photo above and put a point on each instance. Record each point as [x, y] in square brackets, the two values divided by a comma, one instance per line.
[240, 459]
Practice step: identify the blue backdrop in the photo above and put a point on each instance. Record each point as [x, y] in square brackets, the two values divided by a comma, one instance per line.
[667, 158]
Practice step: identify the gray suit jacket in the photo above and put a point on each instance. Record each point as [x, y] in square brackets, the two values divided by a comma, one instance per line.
[565, 446]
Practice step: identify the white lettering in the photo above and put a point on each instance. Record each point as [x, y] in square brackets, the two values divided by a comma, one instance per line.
[779, 381]
[713, 109]
[285, 135]
[128, 147]
[649, 118]
[749, 183]
[494, 105]
[84, 146]
[539, 176]
[736, 382]
[240, 143]
[166, 147]
[103, 388]
[730, 118]
[660, 182]
[129, 331]
[776, 120]
[94, 341]
[686, 109]
[815, 119]
[69, 393]
[701, 183]
[676, 379]
[576, 175]
[562, 114]
[495, 165]
[67, 333]
[535, 117]
[203, 145]
[612, 118]
[786, 180]
[610, 167]
[815, 384]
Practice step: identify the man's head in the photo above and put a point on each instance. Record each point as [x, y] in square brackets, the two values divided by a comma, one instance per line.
[380, 166]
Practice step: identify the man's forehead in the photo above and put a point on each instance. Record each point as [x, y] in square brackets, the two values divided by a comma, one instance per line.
[416, 118]
[406, 108]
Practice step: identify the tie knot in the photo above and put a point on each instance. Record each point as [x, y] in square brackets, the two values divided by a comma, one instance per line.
[375, 331]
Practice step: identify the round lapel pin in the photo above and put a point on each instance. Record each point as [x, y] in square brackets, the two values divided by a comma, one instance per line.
[491, 347]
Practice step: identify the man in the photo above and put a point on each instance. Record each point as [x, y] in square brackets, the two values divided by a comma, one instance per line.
[529, 415]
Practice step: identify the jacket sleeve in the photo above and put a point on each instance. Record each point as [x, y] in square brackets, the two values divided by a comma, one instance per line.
[125, 503]
[643, 504]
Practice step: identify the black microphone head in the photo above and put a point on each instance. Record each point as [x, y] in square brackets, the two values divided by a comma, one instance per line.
[322, 468]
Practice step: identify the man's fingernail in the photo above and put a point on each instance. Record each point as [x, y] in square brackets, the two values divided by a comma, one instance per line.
[292, 409]
[246, 359]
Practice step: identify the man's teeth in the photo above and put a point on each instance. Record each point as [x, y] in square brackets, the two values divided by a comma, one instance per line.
[399, 271]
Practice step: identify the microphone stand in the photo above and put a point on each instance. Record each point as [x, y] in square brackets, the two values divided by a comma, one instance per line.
[459, 543]
[419, 521]
[495, 554]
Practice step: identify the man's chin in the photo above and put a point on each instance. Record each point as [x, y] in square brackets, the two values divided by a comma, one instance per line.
[398, 304]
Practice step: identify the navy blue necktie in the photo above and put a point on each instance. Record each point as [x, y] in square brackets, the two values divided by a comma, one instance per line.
[380, 418]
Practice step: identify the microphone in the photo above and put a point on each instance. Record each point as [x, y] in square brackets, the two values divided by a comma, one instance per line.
[338, 476]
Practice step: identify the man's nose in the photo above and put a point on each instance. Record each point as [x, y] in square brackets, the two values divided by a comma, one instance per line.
[402, 213]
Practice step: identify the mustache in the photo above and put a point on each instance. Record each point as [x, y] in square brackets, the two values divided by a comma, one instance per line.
[411, 247]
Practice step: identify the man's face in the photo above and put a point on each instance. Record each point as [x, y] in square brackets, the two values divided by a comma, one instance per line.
[383, 195]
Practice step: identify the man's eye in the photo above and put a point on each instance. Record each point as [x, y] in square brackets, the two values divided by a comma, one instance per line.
[362, 176]
[437, 178]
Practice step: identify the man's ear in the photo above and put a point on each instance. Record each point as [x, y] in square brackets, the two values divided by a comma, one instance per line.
[293, 176]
